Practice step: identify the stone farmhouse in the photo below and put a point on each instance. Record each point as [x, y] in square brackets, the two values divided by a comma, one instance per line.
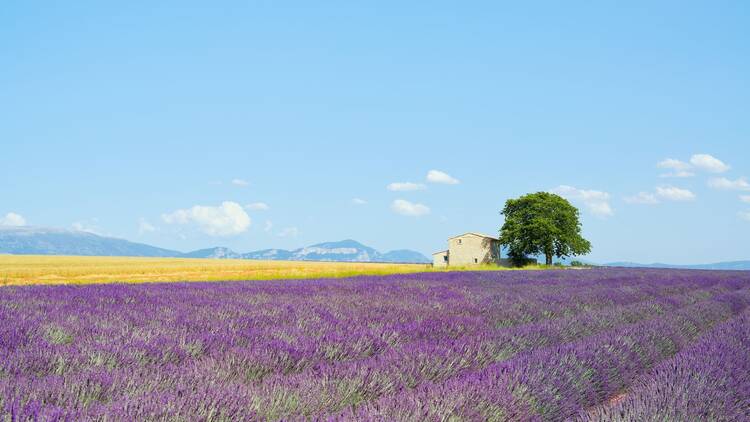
[470, 249]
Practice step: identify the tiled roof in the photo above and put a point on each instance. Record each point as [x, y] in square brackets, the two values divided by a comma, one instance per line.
[475, 234]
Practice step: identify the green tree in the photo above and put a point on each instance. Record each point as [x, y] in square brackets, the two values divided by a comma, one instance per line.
[542, 224]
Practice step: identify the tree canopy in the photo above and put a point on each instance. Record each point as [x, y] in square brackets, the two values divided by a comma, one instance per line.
[542, 223]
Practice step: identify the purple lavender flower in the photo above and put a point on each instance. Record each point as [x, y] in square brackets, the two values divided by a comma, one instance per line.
[545, 345]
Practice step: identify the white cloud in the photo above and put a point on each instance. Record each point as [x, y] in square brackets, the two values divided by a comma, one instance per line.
[647, 198]
[437, 176]
[597, 202]
[678, 173]
[12, 219]
[745, 215]
[404, 207]
[84, 226]
[708, 163]
[358, 201]
[289, 232]
[703, 162]
[145, 227]
[226, 219]
[679, 168]
[745, 198]
[258, 206]
[723, 183]
[240, 182]
[672, 193]
[268, 226]
[669, 193]
[405, 186]
[673, 164]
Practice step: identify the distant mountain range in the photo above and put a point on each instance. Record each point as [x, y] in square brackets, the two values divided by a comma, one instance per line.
[342, 251]
[48, 241]
[729, 265]
[345, 250]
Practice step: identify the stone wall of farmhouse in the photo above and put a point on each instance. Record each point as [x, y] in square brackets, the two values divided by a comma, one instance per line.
[473, 250]
[439, 259]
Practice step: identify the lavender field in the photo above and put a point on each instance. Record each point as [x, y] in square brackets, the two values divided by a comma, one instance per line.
[594, 345]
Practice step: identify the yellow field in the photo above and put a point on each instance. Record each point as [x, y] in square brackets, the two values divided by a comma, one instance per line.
[36, 269]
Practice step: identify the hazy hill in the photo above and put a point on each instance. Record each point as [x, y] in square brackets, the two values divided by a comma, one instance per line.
[218, 253]
[729, 265]
[341, 251]
[49, 241]
[344, 250]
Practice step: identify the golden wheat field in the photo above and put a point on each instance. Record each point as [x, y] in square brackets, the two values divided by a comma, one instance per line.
[37, 269]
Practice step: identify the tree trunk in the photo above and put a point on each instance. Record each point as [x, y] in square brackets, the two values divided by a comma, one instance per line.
[548, 259]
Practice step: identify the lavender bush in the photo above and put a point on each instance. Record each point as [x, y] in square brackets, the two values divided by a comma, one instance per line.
[438, 346]
[710, 380]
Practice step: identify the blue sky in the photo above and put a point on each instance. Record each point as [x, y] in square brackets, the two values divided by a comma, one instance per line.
[135, 120]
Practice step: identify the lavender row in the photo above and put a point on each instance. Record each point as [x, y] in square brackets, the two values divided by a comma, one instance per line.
[708, 381]
[313, 326]
[436, 361]
[558, 382]
[314, 348]
[496, 344]
[396, 370]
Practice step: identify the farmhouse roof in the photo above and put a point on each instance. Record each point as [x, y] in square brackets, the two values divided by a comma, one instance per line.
[475, 234]
[435, 253]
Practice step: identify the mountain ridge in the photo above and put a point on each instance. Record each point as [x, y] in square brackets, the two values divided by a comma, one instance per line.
[347, 250]
[724, 265]
[53, 241]
[28, 240]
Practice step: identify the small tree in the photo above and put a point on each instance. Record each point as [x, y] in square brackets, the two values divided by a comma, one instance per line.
[542, 224]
